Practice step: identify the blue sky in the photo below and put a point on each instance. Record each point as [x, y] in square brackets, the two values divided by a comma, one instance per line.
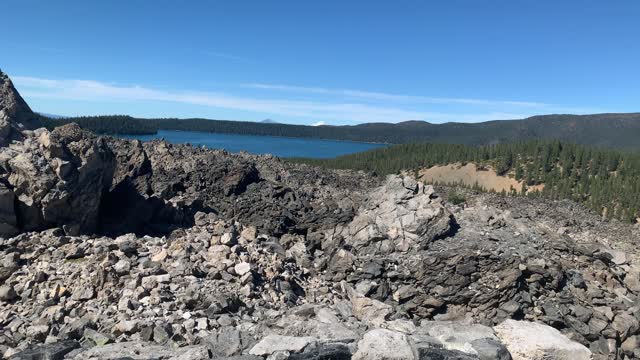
[333, 62]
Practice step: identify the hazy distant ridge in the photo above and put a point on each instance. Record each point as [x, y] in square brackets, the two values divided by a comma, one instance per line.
[610, 130]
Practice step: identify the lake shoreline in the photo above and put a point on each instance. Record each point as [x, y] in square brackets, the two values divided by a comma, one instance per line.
[229, 133]
[281, 146]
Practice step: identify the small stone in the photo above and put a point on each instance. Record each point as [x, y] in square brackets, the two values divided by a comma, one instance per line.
[368, 310]
[249, 233]
[126, 327]
[160, 256]
[631, 344]
[162, 334]
[84, 293]
[404, 293]
[228, 341]
[582, 313]
[625, 325]
[372, 270]
[632, 278]
[228, 239]
[202, 324]
[98, 338]
[75, 329]
[146, 333]
[57, 292]
[618, 257]
[242, 268]
[124, 304]
[225, 320]
[122, 267]
[382, 344]
[164, 278]
[38, 332]
[246, 291]
[510, 307]
[7, 293]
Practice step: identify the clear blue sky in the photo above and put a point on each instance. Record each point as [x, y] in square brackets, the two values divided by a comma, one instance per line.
[336, 62]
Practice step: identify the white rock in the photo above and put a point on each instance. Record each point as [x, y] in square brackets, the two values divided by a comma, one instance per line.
[458, 335]
[276, 343]
[164, 278]
[381, 344]
[619, 257]
[534, 341]
[242, 268]
[202, 324]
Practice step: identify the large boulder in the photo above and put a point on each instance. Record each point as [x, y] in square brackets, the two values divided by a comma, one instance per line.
[367, 310]
[15, 114]
[474, 339]
[534, 341]
[400, 215]
[58, 178]
[382, 344]
[278, 343]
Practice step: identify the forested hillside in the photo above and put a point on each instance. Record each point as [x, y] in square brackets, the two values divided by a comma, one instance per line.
[113, 124]
[607, 181]
[620, 131]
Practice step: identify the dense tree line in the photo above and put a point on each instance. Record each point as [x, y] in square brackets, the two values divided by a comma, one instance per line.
[113, 124]
[608, 181]
[609, 130]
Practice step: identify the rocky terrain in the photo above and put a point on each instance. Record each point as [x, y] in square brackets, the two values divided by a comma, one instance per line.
[115, 249]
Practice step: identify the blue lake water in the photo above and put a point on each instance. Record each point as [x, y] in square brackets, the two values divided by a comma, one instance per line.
[279, 146]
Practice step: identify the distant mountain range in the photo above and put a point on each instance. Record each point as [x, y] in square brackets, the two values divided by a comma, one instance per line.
[620, 131]
[616, 130]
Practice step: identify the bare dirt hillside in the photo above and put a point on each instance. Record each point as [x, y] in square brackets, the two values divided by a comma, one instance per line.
[470, 175]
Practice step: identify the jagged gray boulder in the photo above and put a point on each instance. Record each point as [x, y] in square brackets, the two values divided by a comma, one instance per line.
[15, 114]
[382, 344]
[58, 178]
[400, 215]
